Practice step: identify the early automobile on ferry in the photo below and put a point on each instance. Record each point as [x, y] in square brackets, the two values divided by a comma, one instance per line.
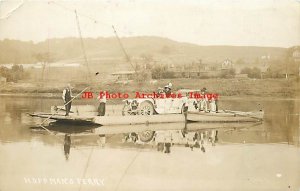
[161, 104]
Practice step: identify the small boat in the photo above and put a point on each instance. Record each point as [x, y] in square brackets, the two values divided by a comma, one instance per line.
[75, 119]
[79, 114]
[258, 114]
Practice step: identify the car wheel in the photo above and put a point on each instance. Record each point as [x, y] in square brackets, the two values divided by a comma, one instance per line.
[146, 108]
[146, 136]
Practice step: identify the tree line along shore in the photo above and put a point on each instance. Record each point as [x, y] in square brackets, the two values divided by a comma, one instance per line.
[281, 88]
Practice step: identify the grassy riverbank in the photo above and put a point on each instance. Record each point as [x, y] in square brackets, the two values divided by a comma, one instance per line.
[280, 88]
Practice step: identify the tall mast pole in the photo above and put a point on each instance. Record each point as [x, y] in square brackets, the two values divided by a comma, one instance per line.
[123, 49]
[83, 48]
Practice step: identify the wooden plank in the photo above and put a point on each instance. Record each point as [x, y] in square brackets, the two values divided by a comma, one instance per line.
[171, 126]
[220, 114]
[201, 117]
[63, 117]
[258, 115]
[138, 119]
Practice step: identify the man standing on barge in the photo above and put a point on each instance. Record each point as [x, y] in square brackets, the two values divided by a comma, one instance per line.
[67, 97]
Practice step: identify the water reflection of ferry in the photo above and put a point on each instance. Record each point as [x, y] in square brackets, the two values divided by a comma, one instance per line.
[161, 137]
[193, 138]
[163, 140]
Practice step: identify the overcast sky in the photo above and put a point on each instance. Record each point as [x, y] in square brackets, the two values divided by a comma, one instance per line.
[204, 22]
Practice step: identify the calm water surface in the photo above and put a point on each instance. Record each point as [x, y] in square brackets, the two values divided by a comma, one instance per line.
[244, 157]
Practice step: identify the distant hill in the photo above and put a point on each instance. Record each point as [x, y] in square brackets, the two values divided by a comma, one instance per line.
[161, 50]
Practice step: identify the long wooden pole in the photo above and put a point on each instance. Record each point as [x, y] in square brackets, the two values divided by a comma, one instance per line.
[62, 107]
[82, 47]
[123, 49]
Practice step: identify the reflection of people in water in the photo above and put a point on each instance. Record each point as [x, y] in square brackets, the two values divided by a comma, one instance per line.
[197, 140]
[202, 148]
[159, 139]
[165, 139]
[167, 147]
[67, 145]
[202, 142]
[134, 137]
[209, 137]
[216, 136]
[191, 140]
[131, 137]
[160, 147]
[102, 140]
[213, 137]
[168, 141]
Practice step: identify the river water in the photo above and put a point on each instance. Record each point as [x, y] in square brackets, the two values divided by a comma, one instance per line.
[263, 156]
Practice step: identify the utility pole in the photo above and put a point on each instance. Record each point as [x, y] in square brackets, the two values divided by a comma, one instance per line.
[286, 65]
[199, 68]
[286, 69]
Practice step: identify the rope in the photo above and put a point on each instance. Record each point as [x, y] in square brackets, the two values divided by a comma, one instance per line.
[80, 14]
[127, 168]
[82, 47]
[47, 130]
[95, 21]
[86, 165]
[122, 47]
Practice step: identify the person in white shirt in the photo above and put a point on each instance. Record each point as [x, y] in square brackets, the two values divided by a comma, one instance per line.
[203, 102]
[168, 89]
[102, 104]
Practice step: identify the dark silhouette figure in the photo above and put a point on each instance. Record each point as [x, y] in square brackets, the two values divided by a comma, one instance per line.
[67, 145]
[167, 147]
[202, 149]
[216, 136]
